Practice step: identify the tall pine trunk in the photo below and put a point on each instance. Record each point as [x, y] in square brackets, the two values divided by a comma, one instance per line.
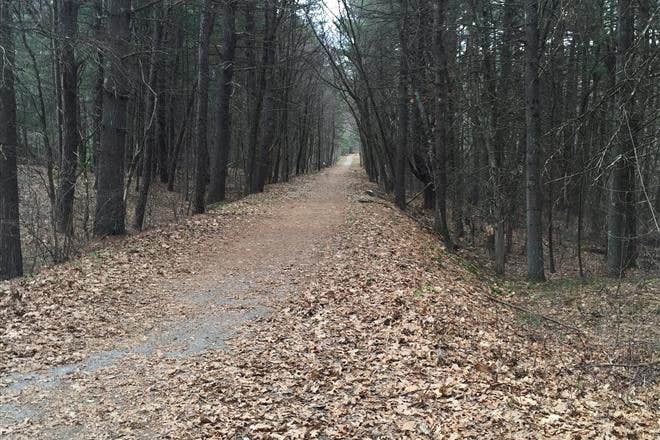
[266, 97]
[110, 210]
[618, 210]
[152, 102]
[441, 130]
[217, 188]
[202, 156]
[11, 259]
[254, 99]
[97, 116]
[535, 270]
[68, 30]
[402, 109]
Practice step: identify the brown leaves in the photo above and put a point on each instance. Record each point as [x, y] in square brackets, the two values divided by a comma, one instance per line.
[387, 344]
[380, 340]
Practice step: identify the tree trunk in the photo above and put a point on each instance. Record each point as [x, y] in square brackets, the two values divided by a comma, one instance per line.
[11, 259]
[174, 157]
[98, 85]
[402, 108]
[535, 269]
[441, 131]
[619, 180]
[110, 209]
[551, 244]
[217, 189]
[57, 77]
[68, 28]
[266, 96]
[202, 157]
[152, 102]
[44, 126]
[579, 230]
[494, 141]
[429, 197]
[254, 97]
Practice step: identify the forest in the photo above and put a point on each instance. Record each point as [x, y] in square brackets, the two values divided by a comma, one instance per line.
[329, 218]
[533, 117]
[111, 105]
[532, 122]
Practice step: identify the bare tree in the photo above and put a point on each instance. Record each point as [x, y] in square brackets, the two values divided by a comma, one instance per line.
[68, 29]
[217, 188]
[152, 102]
[441, 131]
[402, 109]
[110, 208]
[11, 259]
[201, 167]
[622, 177]
[535, 269]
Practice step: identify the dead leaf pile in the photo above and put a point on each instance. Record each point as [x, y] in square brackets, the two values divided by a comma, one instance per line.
[119, 287]
[394, 340]
[391, 339]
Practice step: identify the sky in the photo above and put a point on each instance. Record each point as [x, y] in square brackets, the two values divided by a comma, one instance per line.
[331, 8]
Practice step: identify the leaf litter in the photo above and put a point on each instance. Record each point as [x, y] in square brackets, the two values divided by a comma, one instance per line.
[385, 336]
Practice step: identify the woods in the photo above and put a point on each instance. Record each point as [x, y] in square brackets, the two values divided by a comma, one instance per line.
[529, 125]
[328, 219]
[526, 125]
[126, 110]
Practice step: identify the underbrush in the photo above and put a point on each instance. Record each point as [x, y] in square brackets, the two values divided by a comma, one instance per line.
[42, 245]
[616, 320]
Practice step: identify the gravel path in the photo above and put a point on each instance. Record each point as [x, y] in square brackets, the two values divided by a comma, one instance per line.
[237, 280]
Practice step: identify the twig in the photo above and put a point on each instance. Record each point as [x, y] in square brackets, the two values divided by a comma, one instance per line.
[649, 364]
[418, 194]
[373, 200]
[522, 309]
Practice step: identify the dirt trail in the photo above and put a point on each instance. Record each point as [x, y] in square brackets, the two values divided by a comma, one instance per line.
[297, 313]
[236, 280]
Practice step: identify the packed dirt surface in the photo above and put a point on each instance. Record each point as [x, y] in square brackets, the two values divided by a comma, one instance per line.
[235, 276]
[309, 311]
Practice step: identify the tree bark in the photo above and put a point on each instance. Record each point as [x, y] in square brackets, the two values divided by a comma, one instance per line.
[265, 96]
[535, 269]
[494, 97]
[98, 84]
[152, 102]
[11, 259]
[402, 109]
[176, 152]
[217, 188]
[441, 131]
[110, 209]
[68, 29]
[202, 157]
[618, 211]
[254, 97]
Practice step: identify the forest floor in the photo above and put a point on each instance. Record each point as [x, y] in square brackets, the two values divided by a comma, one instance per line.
[41, 247]
[308, 311]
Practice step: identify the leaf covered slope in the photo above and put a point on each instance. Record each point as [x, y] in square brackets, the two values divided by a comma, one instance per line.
[385, 336]
[395, 340]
